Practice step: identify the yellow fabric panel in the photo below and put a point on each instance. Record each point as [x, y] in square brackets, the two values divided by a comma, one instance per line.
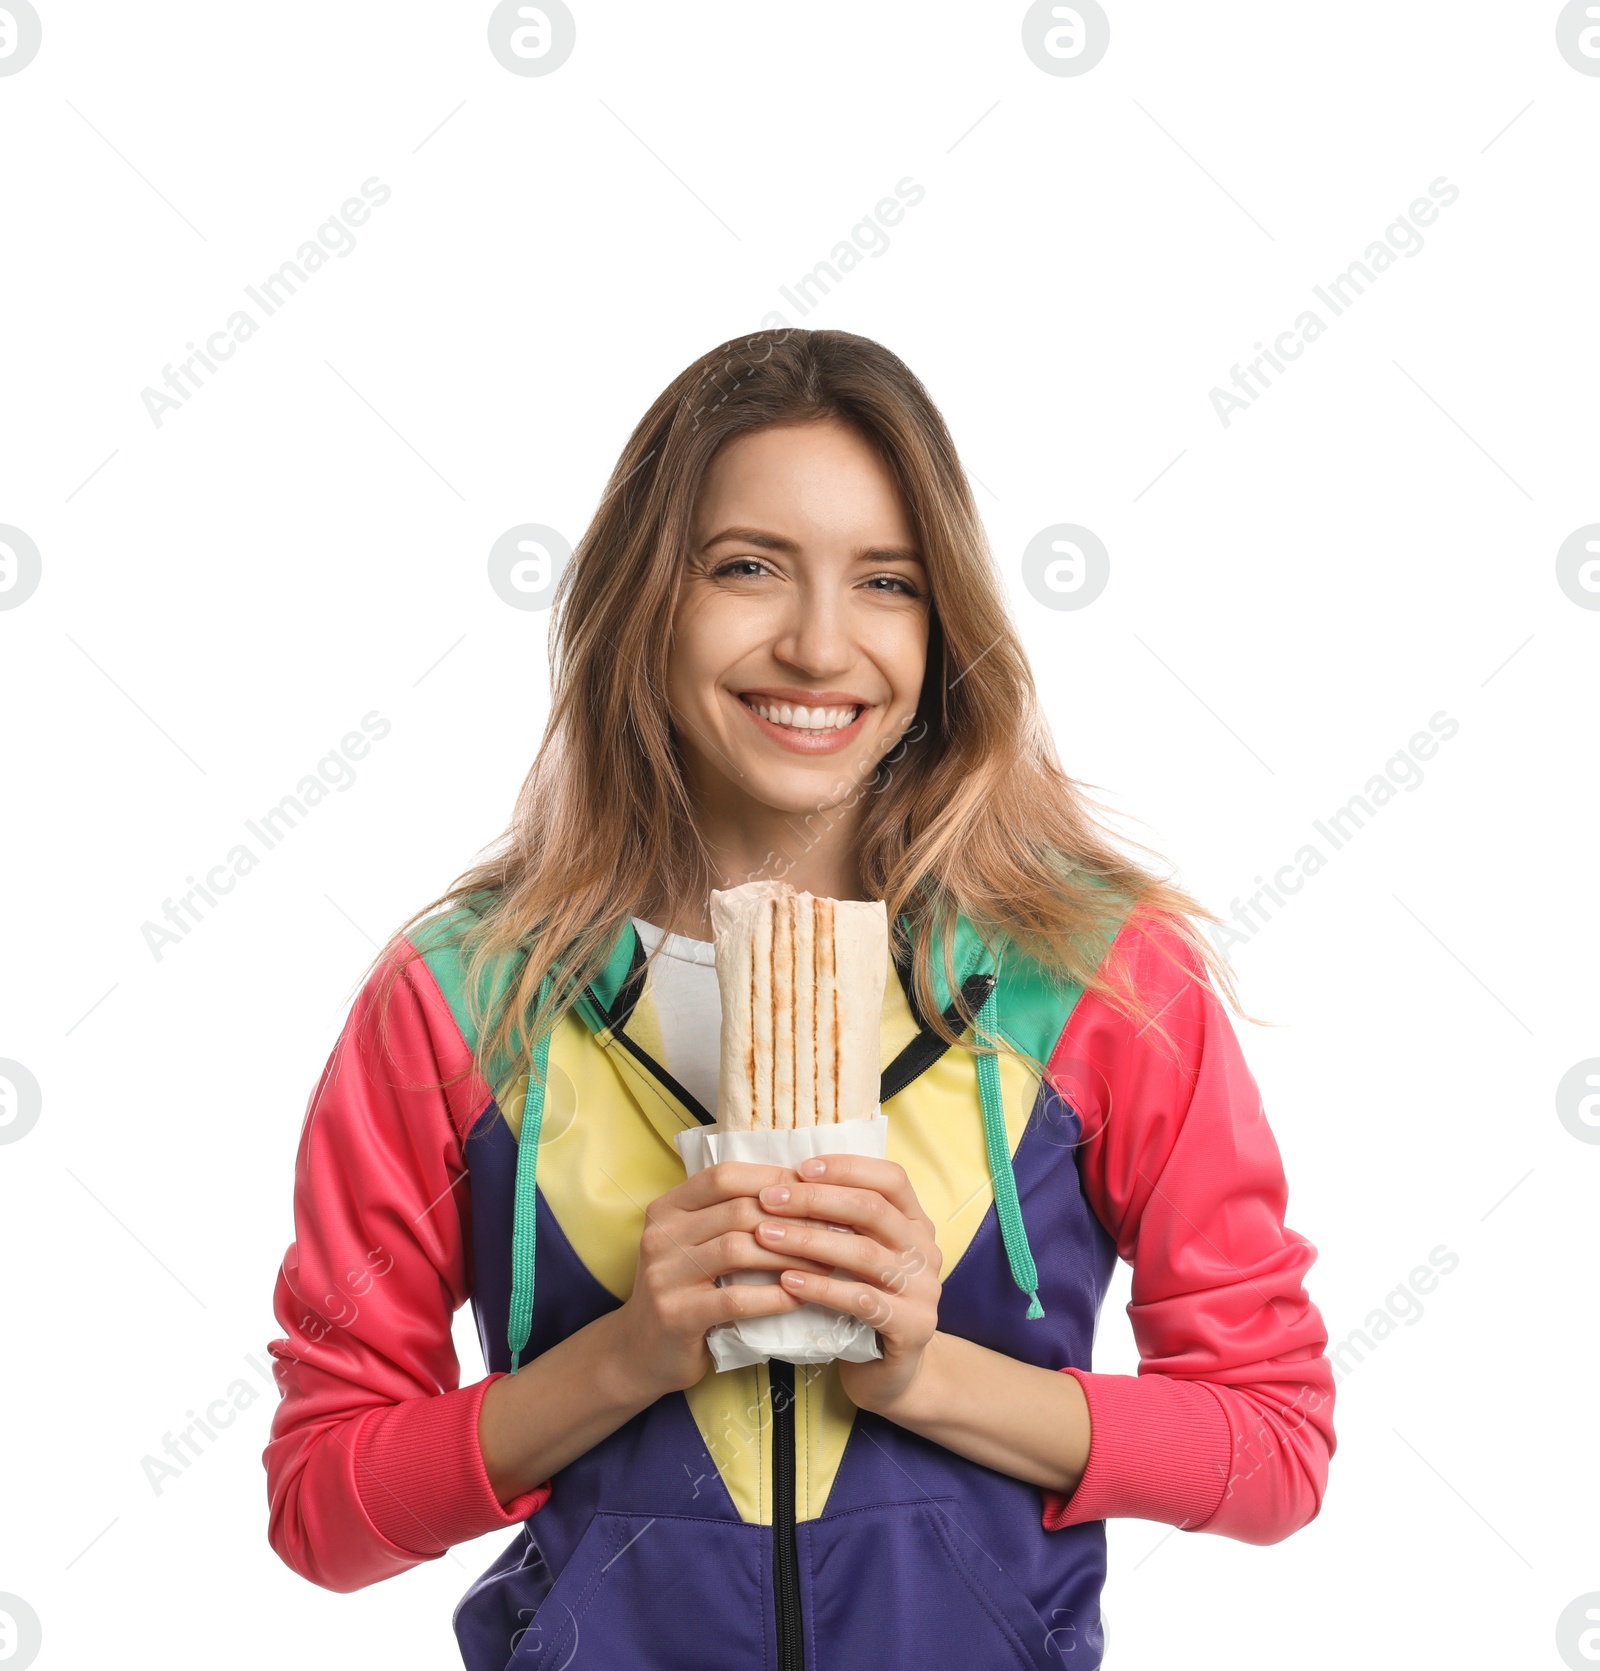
[936, 1134]
[899, 1026]
[734, 1416]
[824, 1416]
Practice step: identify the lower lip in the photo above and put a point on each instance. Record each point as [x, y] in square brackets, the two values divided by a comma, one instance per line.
[808, 742]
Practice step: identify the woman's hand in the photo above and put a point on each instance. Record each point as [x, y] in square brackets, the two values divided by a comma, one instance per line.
[893, 1261]
[695, 1232]
[567, 1399]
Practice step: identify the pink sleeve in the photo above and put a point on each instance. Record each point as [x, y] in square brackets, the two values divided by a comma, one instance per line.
[373, 1464]
[1228, 1426]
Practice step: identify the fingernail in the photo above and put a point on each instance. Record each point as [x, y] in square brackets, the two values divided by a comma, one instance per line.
[815, 1167]
[795, 1279]
[775, 1232]
[775, 1195]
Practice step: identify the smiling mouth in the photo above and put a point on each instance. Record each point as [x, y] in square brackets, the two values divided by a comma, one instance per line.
[797, 717]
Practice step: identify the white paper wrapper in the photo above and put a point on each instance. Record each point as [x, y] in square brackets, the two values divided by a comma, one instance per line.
[814, 1333]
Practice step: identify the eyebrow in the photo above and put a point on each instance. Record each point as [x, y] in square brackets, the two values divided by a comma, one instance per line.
[776, 542]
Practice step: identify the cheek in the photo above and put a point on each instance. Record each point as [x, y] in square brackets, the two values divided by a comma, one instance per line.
[690, 664]
[713, 636]
[905, 661]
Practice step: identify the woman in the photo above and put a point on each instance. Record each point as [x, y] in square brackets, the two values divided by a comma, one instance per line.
[840, 701]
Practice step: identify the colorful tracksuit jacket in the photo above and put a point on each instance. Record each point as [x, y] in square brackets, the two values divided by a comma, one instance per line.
[759, 1519]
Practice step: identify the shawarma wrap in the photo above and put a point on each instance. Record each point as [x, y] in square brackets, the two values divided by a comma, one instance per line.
[802, 981]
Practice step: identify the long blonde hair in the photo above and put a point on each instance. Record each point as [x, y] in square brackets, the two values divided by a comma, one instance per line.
[971, 813]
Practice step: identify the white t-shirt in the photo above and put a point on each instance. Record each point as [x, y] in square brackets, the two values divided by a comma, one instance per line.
[683, 982]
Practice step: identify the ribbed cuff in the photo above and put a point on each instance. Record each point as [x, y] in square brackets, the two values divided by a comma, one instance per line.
[419, 1470]
[1159, 1449]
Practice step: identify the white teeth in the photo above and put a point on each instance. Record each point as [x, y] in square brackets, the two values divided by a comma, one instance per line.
[805, 719]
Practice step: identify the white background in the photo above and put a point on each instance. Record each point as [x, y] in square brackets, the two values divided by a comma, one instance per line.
[1372, 543]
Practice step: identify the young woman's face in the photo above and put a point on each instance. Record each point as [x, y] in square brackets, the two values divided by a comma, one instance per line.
[801, 632]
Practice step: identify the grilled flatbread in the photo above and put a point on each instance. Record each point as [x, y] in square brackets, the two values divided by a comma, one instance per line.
[802, 983]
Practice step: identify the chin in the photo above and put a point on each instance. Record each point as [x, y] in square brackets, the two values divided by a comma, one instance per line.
[803, 792]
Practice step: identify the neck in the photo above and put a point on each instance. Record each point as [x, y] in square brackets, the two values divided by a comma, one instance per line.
[814, 852]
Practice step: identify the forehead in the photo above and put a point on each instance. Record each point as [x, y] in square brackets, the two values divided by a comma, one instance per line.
[813, 480]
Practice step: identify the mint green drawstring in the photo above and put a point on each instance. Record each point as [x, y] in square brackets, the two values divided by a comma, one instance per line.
[1013, 1232]
[524, 1232]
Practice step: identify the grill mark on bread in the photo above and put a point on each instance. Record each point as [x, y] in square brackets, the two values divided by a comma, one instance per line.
[750, 1054]
[772, 1010]
[793, 915]
[826, 921]
[782, 1012]
[811, 975]
[838, 1053]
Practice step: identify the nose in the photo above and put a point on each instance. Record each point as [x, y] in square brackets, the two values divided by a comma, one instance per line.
[815, 635]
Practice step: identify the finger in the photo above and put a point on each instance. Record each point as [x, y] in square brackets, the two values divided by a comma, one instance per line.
[738, 1300]
[722, 1182]
[679, 1250]
[887, 1177]
[861, 1209]
[855, 1299]
[738, 1250]
[887, 1268]
[742, 1212]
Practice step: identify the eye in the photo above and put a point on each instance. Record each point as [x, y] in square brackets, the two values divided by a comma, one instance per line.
[738, 563]
[907, 588]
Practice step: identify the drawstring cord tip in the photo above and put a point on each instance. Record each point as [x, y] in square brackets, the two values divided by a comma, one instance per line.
[1034, 1308]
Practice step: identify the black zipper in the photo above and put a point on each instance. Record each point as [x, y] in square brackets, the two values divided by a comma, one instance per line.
[917, 1057]
[785, 1554]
